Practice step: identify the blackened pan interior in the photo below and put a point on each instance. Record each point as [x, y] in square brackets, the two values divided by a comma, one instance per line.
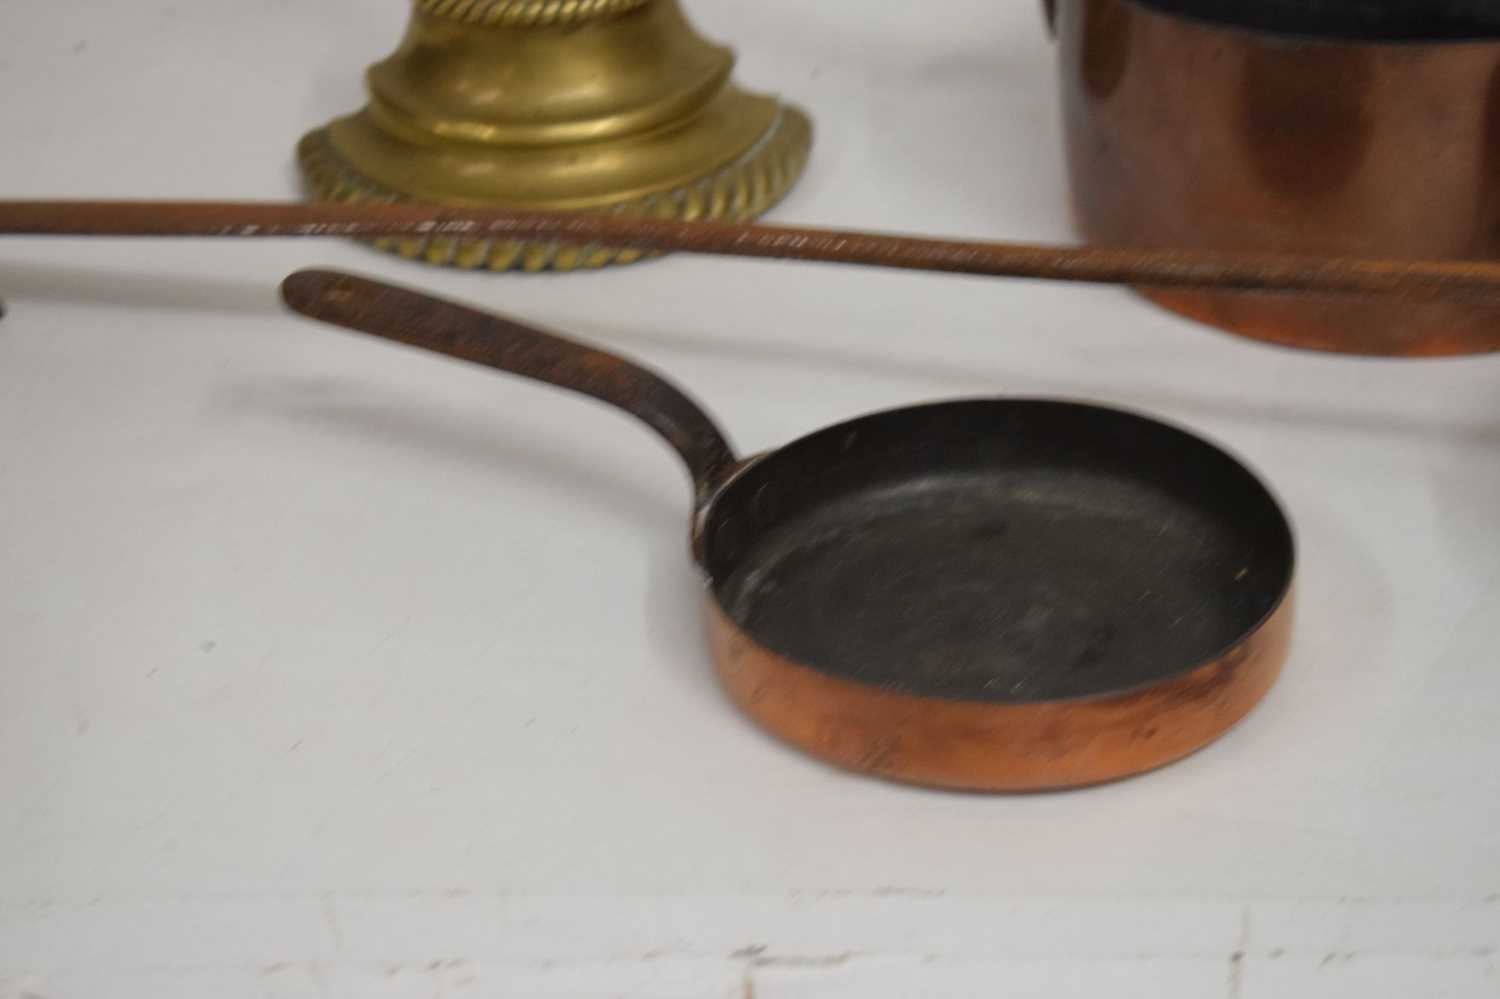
[1002, 550]
[1354, 20]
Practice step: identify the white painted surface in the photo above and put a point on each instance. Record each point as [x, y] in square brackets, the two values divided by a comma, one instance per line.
[331, 669]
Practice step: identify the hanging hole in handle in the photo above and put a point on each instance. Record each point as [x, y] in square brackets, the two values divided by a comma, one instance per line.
[1049, 11]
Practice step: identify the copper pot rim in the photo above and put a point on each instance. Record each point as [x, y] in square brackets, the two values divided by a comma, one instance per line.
[1267, 35]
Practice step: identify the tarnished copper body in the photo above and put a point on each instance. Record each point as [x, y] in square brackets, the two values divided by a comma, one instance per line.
[1191, 134]
[972, 746]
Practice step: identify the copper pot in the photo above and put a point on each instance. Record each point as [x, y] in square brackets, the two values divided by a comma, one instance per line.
[1293, 128]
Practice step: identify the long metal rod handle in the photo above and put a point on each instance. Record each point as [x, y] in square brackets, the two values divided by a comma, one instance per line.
[1475, 281]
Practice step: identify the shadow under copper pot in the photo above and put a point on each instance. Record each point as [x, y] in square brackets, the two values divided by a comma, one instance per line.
[1337, 135]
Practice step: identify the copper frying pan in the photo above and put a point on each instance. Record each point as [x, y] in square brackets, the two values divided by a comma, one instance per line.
[988, 594]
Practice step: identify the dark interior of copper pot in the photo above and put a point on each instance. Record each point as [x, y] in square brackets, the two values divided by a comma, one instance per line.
[1367, 20]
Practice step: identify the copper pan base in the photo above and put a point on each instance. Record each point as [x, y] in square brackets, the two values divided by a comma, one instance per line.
[990, 747]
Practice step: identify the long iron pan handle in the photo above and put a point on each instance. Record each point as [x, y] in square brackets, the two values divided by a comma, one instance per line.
[1401, 279]
[420, 320]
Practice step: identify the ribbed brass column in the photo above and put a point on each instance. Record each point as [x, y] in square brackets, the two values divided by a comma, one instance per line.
[601, 105]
